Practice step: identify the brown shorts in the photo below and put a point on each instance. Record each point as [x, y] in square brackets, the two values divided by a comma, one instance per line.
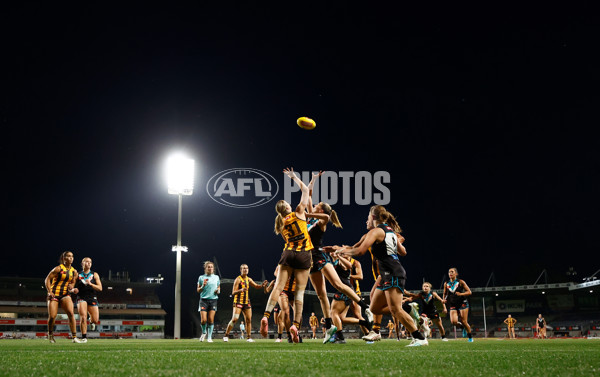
[298, 260]
[60, 297]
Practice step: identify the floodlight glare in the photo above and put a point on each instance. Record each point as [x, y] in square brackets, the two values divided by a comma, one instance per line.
[180, 175]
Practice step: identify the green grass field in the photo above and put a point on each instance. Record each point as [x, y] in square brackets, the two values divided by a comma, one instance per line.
[491, 357]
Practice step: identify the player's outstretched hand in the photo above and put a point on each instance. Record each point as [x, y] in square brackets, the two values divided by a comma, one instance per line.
[330, 249]
[289, 172]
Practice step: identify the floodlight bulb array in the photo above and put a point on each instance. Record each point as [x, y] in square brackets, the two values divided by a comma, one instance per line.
[180, 175]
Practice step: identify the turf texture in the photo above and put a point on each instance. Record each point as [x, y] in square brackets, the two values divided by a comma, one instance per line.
[123, 357]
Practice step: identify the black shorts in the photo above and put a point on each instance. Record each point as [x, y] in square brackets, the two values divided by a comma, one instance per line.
[91, 301]
[276, 309]
[319, 260]
[432, 314]
[457, 305]
[389, 281]
[207, 305]
[342, 297]
[298, 260]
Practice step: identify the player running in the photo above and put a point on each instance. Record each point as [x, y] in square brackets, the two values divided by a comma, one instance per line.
[341, 303]
[319, 216]
[209, 287]
[428, 309]
[87, 286]
[385, 242]
[241, 301]
[60, 283]
[456, 292]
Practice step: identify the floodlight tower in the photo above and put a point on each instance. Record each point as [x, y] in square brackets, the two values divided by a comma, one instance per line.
[180, 181]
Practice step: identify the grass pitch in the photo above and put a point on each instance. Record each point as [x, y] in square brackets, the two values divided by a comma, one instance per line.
[312, 358]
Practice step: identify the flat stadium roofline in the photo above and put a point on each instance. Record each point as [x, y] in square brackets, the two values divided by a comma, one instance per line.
[571, 286]
[587, 284]
[531, 287]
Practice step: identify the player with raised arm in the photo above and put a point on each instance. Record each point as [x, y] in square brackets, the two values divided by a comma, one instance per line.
[296, 256]
[385, 242]
[322, 269]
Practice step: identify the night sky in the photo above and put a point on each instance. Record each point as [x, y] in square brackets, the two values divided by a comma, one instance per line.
[485, 119]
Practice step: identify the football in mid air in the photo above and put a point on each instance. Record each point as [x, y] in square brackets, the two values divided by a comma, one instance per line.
[306, 123]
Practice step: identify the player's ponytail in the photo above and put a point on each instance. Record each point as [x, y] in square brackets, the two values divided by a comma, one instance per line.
[278, 224]
[381, 215]
[280, 207]
[335, 220]
[333, 217]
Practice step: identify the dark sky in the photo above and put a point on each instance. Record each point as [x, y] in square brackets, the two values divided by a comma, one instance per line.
[485, 119]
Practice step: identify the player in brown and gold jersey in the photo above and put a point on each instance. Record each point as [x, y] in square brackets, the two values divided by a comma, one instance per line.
[313, 321]
[296, 256]
[356, 276]
[241, 301]
[60, 283]
[391, 326]
[510, 322]
[286, 296]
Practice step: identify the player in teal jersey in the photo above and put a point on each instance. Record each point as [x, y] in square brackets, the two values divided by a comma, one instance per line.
[209, 287]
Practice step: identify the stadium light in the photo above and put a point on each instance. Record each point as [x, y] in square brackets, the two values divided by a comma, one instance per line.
[180, 181]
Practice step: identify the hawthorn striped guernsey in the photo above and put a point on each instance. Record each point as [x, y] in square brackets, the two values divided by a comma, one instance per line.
[374, 265]
[60, 285]
[355, 283]
[242, 297]
[295, 233]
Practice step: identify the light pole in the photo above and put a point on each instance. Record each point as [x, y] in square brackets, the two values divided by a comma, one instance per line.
[180, 181]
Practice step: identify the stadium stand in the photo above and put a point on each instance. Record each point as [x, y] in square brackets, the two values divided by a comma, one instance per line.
[133, 309]
[568, 312]
[127, 309]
